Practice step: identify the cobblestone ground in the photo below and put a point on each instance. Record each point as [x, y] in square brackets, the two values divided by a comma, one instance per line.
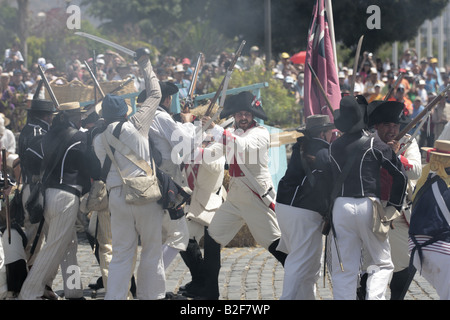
[249, 273]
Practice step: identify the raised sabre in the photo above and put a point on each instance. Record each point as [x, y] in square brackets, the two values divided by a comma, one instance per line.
[108, 43]
[355, 65]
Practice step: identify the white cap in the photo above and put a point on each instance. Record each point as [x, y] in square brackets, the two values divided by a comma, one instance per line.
[49, 66]
[289, 79]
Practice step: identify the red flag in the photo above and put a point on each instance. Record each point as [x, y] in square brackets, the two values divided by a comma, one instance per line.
[319, 54]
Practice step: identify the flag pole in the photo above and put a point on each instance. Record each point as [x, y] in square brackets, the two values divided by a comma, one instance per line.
[329, 9]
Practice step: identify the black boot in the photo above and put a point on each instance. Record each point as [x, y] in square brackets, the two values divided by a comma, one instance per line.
[133, 286]
[398, 283]
[193, 259]
[211, 269]
[16, 272]
[361, 291]
[280, 256]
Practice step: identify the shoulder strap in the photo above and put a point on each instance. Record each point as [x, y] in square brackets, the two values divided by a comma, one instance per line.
[441, 203]
[127, 152]
[424, 188]
[107, 163]
[110, 154]
[139, 162]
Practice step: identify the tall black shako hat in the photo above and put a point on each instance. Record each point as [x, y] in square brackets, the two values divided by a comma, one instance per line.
[41, 105]
[380, 111]
[167, 89]
[351, 115]
[243, 101]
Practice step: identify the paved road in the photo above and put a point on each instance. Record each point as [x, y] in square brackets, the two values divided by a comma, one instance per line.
[249, 273]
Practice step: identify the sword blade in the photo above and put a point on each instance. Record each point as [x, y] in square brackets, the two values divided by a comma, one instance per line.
[355, 65]
[107, 42]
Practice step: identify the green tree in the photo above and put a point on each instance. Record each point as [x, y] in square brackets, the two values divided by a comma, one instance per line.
[244, 19]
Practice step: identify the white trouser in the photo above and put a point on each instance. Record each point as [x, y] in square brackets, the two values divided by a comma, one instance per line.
[101, 220]
[352, 218]
[398, 240]
[301, 236]
[128, 223]
[31, 229]
[61, 209]
[175, 232]
[434, 269]
[243, 206]
[3, 286]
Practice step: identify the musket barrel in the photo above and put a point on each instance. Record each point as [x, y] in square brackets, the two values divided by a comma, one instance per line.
[6, 197]
[424, 112]
[230, 68]
[397, 82]
[48, 87]
[194, 78]
[96, 84]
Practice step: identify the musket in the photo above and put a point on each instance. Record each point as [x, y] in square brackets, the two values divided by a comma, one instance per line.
[316, 79]
[226, 78]
[355, 65]
[94, 64]
[123, 84]
[424, 112]
[118, 88]
[6, 197]
[193, 85]
[96, 84]
[38, 89]
[48, 87]
[394, 87]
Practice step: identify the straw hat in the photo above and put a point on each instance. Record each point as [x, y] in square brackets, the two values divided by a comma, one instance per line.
[5, 119]
[441, 148]
[71, 107]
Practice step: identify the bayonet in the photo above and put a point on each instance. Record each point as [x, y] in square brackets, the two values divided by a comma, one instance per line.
[193, 85]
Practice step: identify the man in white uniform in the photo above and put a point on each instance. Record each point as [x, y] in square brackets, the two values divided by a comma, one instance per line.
[130, 222]
[170, 137]
[251, 197]
[205, 178]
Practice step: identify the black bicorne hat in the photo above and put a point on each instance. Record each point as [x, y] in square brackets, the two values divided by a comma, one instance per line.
[243, 101]
[41, 105]
[167, 89]
[350, 117]
[380, 111]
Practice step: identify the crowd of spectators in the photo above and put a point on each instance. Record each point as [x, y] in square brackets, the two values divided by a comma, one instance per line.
[422, 80]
